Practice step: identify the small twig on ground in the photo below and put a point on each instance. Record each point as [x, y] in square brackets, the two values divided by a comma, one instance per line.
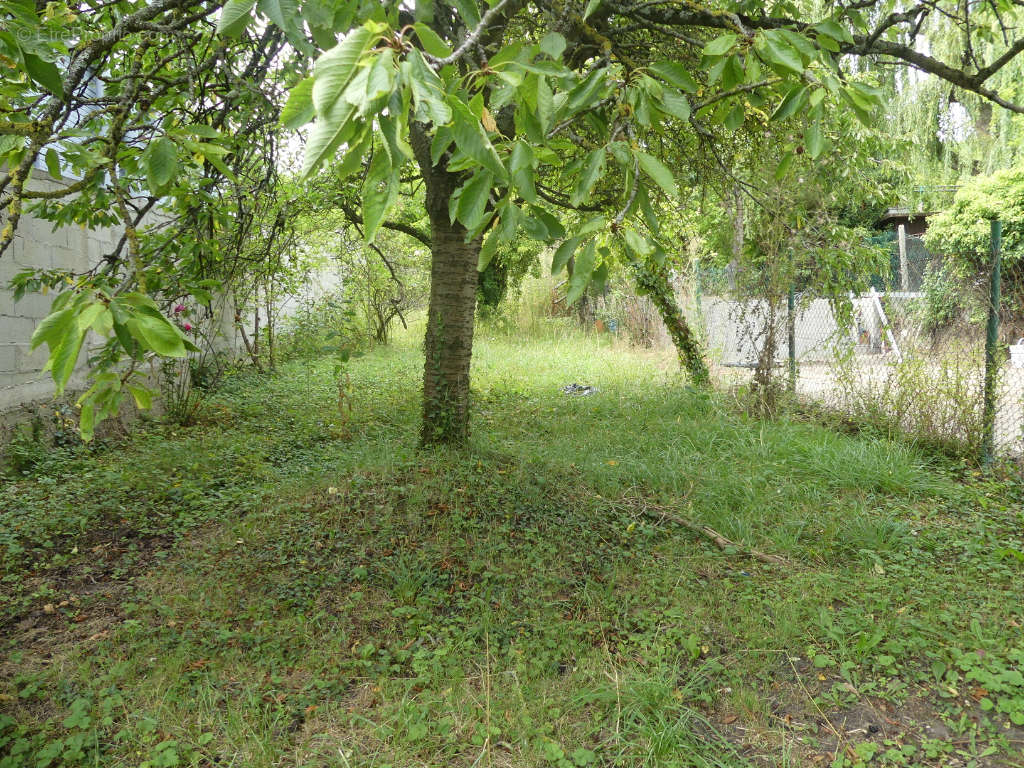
[839, 737]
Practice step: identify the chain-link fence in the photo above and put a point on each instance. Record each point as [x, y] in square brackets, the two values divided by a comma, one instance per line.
[932, 350]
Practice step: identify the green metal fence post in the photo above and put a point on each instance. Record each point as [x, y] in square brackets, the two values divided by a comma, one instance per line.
[791, 328]
[991, 352]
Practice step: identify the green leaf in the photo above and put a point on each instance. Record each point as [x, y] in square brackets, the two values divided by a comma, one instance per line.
[488, 249]
[469, 10]
[599, 277]
[555, 230]
[862, 113]
[334, 69]
[545, 104]
[203, 131]
[235, 17]
[858, 18]
[393, 128]
[62, 359]
[591, 225]
[791, 102]
[644, 201]
[582, 756]
[284, 13]
[353, 160]
[675, 74]
[87, 421]
[834, 30]
[783, 167]
[804, 47]
[675, 104]
[473, 198]
[472, 139]
[159, 335]
[104, 322]
[733, 73]
[581, 271]
[53, 164]
[123, 334]
[89, 315]
[10, 143]
[588, 92]
[214, 154]
[563, 253]
[735, 118]
[720, 45]
[431, 41]
[327, 134]
[143, 397]
[657, 170]
[867, 96]
[380, 191]
[45, 73]
[520, 165]
[815, 141]
[161, 163]
[638, 244]
[298, 110]
[591, 7]
[380, 78]
[827, 43]
[427, 91]
[593, 167]
[779, 54]
[553, 44]
[52, 328]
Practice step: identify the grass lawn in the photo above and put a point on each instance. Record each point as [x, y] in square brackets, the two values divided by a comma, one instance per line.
[274, 587]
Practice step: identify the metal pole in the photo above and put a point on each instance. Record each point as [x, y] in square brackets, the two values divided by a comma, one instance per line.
[791, 328]
[988, 423]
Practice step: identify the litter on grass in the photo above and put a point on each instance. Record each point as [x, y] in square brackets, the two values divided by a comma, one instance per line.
[578, 389]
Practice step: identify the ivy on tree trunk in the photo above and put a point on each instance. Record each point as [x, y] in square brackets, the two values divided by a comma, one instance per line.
[654, 282]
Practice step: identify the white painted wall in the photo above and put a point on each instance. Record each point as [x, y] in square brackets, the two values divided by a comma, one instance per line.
[732, 329]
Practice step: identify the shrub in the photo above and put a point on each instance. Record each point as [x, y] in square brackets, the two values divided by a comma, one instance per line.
[948, 298]
[322, 325]
[27, 448]
[963, 230]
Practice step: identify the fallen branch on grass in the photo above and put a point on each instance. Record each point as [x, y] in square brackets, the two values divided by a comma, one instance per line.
[659, 513]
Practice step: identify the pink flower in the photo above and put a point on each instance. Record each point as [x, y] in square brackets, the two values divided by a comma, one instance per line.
[179, 309]
[187, 326]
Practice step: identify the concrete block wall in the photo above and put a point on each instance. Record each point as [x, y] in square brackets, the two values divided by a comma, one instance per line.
[38, 245]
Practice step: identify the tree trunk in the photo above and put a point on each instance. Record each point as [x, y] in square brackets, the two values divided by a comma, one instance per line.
[654, 282]
[449, 342]
[448, 345]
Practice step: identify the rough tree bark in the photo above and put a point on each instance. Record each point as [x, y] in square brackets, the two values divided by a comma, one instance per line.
[448, 345]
